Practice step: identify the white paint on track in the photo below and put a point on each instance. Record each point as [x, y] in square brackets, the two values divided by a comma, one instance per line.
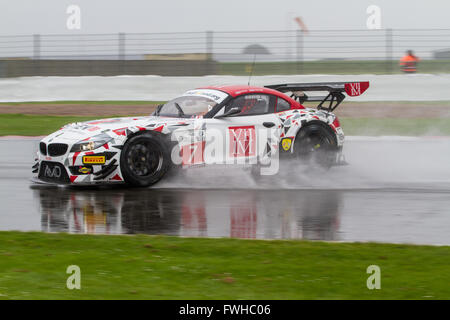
[416, 87]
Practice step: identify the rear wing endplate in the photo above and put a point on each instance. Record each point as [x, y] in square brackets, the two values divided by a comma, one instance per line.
[335, 92]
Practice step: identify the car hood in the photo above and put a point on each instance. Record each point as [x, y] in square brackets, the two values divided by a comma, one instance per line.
[78, 131]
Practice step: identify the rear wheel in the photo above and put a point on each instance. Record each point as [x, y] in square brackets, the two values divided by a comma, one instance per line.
[316, 145]
[144, 160]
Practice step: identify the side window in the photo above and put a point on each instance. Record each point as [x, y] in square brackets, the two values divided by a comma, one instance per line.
[282, 105]
[253, 104]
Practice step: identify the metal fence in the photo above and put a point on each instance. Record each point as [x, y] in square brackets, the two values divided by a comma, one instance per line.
[377, 48]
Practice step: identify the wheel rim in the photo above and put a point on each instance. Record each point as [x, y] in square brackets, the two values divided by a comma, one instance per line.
[144, 159]
[315, 148]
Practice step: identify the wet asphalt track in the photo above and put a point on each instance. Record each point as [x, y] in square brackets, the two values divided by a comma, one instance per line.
[394, 190]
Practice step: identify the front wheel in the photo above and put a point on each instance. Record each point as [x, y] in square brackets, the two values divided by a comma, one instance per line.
[316, 145]
[144, 160]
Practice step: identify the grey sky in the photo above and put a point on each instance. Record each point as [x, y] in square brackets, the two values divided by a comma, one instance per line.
[111, 16]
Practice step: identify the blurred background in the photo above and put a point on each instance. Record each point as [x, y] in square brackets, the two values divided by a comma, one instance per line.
[223, 52]
[178, 38]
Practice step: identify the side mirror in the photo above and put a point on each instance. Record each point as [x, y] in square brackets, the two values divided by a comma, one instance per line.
[230, 112]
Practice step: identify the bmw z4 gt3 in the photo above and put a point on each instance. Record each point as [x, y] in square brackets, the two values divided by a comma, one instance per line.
[211, 125]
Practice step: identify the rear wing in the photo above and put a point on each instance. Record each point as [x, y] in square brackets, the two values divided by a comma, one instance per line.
[335, 92]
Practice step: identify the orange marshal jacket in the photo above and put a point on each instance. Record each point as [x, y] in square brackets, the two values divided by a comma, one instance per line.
[409, 63]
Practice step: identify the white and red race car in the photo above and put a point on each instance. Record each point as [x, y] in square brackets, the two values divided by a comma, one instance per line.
[213, 125]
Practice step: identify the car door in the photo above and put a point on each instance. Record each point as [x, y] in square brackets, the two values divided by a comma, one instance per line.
[246, 136]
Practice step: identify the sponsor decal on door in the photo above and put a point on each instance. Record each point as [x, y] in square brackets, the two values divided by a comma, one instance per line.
[242, 141]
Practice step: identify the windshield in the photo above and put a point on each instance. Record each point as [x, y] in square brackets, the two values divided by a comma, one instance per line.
[192, 103]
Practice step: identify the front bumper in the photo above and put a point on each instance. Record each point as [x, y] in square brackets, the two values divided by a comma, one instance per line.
[77, 168]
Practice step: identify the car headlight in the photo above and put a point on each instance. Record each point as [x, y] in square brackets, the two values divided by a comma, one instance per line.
[89, 145]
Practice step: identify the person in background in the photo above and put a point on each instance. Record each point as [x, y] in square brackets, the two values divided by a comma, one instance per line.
[408, 64]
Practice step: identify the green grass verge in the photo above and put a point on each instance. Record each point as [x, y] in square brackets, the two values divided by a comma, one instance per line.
[329, 67]
[395, 126]
[33, 266]
[36, 125]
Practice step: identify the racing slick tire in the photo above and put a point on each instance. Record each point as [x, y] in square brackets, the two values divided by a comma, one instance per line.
[316, 145]
[145, 159]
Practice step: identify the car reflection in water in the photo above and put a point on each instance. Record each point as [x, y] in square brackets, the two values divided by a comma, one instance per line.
[268, 214]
